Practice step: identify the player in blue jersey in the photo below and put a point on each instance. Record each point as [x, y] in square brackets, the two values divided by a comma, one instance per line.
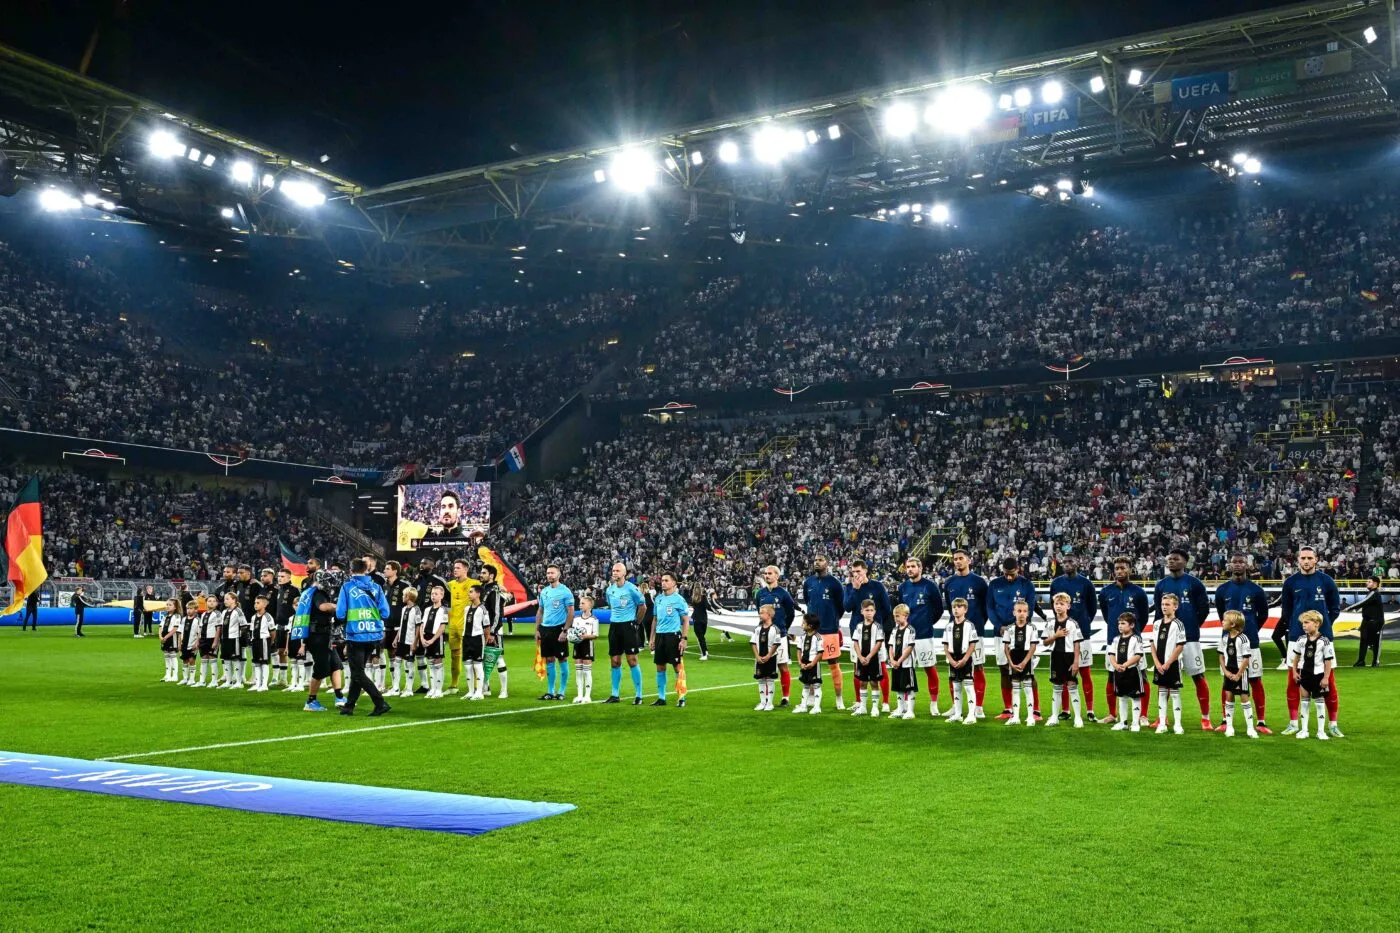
[1193, 605]
[627, 609]
[1083, 604]
[857, 591]
[972, 589]
[670, 628]
[1119, 598]
[925, 605]
[1002, 595]
[1241, 594]
[825, 599]
[769, 593]
[1309, 590]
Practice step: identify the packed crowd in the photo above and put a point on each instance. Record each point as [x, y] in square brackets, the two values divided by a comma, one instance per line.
[1099, 472]
[1279, 271]
[150, 527]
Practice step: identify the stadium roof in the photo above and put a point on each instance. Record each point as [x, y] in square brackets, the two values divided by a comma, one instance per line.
[1301, 73]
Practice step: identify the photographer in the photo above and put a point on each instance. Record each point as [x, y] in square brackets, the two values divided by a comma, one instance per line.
[362, 609]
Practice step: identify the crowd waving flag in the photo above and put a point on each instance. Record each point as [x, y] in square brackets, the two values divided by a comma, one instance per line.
[24, 544]
[515, 458]
[293, 564]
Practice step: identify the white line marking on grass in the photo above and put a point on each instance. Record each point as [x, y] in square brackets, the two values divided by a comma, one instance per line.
[379, 728]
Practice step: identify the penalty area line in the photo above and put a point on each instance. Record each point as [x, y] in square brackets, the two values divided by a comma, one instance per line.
[379, 728]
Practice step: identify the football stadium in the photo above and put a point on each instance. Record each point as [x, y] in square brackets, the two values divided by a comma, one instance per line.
[962, 441]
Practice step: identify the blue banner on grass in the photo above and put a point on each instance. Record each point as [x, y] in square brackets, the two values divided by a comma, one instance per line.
[346, 803]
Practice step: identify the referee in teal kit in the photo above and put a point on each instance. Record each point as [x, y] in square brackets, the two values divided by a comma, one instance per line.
[627, 609]
[670, 626]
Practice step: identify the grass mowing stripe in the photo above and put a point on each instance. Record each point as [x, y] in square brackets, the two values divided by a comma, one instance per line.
[379, 728]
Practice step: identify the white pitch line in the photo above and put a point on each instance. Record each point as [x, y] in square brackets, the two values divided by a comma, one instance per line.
[379, 728]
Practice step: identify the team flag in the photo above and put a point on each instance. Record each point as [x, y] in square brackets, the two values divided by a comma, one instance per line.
[1239, 507]
[291, 563]
[1298, 275]
[24, 544]
[1370, 295]
[1333, 502]
[719, 553]
[1349, 474]
[826, 488]
[515, 458]
[506, 575]
[802, 490]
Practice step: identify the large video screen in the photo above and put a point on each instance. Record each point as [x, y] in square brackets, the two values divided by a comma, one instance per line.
[433, 515]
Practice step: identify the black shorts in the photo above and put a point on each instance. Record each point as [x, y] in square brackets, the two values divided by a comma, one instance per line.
[623, 638]
[1170, 679]
[187, 655]
[904, 680]
[324, 659]
[551, 648]
[206, 647]
[583, 650]
[668, 648]
[432, 652]
[472, 646]
[766, 670]
[811, 678]
[403, 650]
[1311, 683]
[869, 673]
[230, 649]
[293, 647]
[261, 651]
[280, 640]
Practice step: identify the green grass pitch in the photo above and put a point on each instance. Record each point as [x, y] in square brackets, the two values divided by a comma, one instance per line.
[713, 817]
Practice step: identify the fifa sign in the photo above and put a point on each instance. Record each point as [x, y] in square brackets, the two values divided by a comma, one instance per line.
[1053, 118]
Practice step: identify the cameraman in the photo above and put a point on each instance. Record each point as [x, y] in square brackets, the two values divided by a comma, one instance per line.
[362, 608]
[318, 602]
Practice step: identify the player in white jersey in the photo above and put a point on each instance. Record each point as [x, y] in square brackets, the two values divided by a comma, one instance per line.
[1235, 655]
[1124, 658]
[809, 663]
[1168, 643]
[171, 628]
[903, 677]
[765, 640]
[585, 630]
[431, 633]
[404, 639]
[1312, 659]
[867, 644]
[961, 643]
[262, 631]
[1064, 639]
[1019, 642]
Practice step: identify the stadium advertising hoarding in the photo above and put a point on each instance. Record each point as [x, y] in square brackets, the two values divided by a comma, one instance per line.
[434, 515]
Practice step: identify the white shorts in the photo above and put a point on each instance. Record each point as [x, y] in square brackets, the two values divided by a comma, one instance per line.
[979, 654]
[1086, 654]
[1193, 662]
[781, 656]
[926, 652]
[1256, 664]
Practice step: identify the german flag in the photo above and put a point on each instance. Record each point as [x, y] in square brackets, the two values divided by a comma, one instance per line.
[1370, 295]
[291, 563]
[802, 490]
[24, 544]
[825, 488]
[1349, 474]
[1333, 502]
[1298, 275]
[507, 576]
[719, 553]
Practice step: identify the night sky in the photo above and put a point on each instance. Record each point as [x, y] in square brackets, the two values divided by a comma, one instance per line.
[393, 90]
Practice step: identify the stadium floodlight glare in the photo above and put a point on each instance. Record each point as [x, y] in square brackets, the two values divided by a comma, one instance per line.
[1096, 84]
[770, 145]
[1088, 191]
[302, 193]
[1064, 184]
[1370, 34]
[51, 199]
[697, 157]
[900, 120]
[1052, 92]
[633, 170]
[209, 158]
[1239, 157]
[813, 137]
[194, 154]
[917, 208]
[1252, 166]
[163, 144]
[833, 132]
[242, 172]
[599, 175]
[89, 199]
[795, 141]
[1039, 191]
[268, 180]
[729, 152]
[918, 218]
[1135, 77]
[226, 213]
[1005, 102]
[107, 205]
[959, 109]
[939, 213]
[904, 208]
[1022, 97]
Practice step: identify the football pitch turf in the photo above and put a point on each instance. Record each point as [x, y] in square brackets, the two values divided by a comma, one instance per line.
[711, 817]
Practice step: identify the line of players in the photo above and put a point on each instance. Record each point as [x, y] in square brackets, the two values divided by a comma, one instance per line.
[990, 608]
[247, 633]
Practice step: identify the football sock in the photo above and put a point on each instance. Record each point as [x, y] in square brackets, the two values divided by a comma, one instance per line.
[1176, 708]
[1006, 686]
[1015, 704]
[586, 673]
[785, 678]
[636, 679]
[1074, 704]
[931, 679]
[1161, 707]
[1203, 695]
[1293, 697]
[1256, 693]
[1305, 704]
[504, 675]
[979, 683]
[563, 677]
[884, 684]
[1248, 715]
[1330, 699]
[1321, 716]
[1057, 699]
[1064, 696]
[661, 685]
[1112, 695]
[617, 681]
[1035, 692]
[955, 694]
[1086, 680]
[550, 676]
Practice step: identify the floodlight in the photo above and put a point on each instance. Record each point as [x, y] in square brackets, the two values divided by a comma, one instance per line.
[918, 218]
[1039, 190]
[812, 137]
[1052, 92]
[242, 172]
[729, 151]
[163, 144]
[959, 109]
[51, 199]
[89, 199]
[599, 175]
[1238, 158]
[770, 145]
[633, 170]
[900, 120]
[1135, 77]
[226, 213]
[268, 180]
[917, 208]
[1096, 84]
[1005, 102]
[795, 141]
[194, 154]
[833, 131]
[1088, 191]
[1252, 166]
[697, 157]
[209, 158]
[302, 193]
[671, 163]
[1370, 33]
[939, 214]
[904, 208]
[1064, 184]
[1022, 97]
